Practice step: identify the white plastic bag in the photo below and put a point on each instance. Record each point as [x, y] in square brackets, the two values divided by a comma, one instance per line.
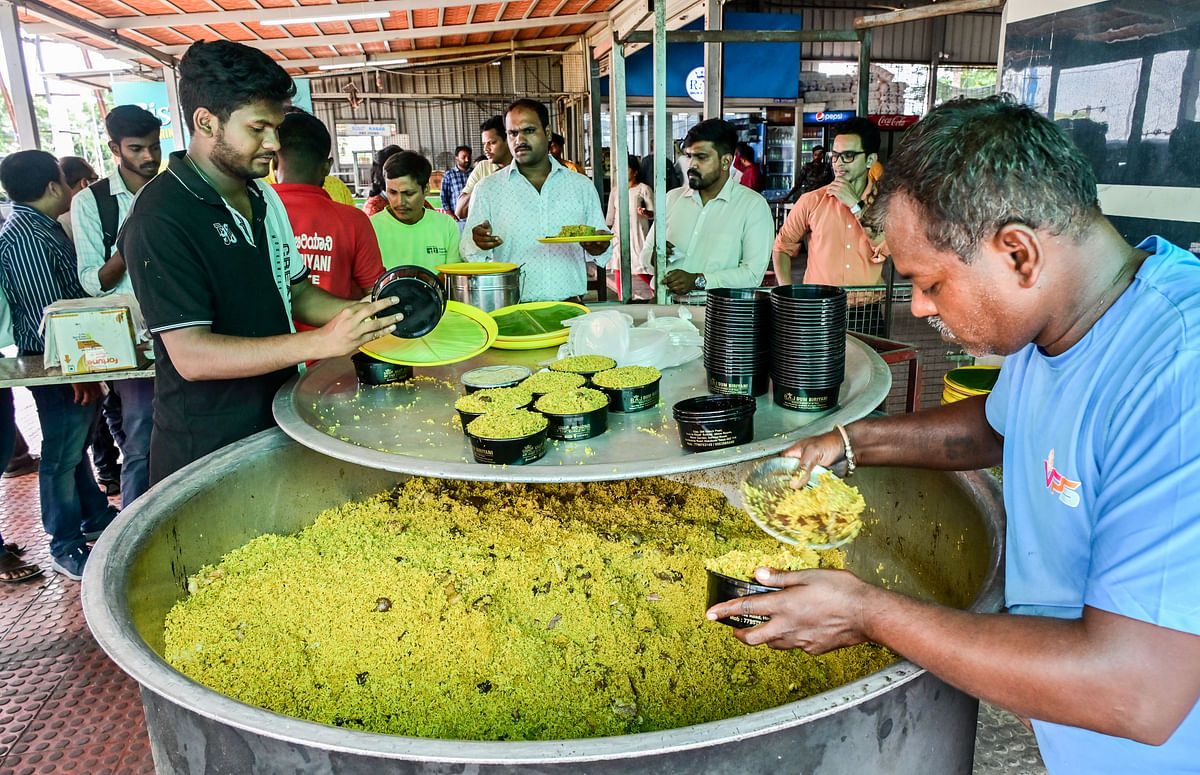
[661, 342]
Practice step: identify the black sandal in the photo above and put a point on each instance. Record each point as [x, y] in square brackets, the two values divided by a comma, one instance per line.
[13, 571]
[15, 549]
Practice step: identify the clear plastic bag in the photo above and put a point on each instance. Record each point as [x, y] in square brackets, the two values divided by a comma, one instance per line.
[660, 342]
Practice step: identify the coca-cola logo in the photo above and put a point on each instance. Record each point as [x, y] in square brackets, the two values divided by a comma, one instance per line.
[893, 121]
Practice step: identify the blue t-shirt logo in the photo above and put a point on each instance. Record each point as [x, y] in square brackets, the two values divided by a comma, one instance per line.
[1059, 484]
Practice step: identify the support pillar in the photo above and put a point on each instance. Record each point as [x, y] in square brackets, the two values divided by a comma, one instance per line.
[864, 72]
[18, 78]
[662, 148]
[594, 120]
[714, 57]
[620, 156]
[178, 124]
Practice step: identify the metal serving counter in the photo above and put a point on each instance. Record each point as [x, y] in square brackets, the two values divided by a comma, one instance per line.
[413, 427]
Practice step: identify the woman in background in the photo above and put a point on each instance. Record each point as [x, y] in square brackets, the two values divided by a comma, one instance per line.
[641, 211]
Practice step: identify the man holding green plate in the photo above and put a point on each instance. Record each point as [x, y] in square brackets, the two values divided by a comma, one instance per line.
[532, 199]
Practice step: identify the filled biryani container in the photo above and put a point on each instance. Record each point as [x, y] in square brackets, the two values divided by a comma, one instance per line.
[587, 366]
[629, 388]
[574, 414]
[544, 382]
[474, 405]
[809, 523]
[500, 376]
[514, 437]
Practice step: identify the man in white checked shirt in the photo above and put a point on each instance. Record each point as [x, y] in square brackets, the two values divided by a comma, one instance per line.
[535, 197]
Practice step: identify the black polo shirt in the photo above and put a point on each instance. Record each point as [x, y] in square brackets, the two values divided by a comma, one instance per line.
[194, 261]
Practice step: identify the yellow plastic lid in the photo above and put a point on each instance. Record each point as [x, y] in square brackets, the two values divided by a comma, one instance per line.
[463, 332]
[476, 267]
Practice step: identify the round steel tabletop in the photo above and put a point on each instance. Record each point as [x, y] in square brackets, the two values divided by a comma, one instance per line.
[413, 428]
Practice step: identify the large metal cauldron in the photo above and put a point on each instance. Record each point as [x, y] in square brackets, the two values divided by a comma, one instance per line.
[939, 537]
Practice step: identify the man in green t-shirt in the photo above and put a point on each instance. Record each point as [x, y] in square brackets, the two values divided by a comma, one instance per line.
[410, 234]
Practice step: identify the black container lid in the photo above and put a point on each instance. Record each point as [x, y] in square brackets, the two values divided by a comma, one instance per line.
[422, 300]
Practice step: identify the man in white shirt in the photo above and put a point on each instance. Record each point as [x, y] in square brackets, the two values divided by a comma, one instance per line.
[495, 148]
[533, 198]
[97, 213]
[719, 233]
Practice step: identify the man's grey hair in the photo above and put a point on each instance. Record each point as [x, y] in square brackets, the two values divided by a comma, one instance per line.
[974, 165]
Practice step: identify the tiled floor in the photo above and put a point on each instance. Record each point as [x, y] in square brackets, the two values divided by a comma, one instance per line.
[66, 708]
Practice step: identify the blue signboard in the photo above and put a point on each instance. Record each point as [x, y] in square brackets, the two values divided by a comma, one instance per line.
[752, 70]
[828, 116]
[303, 98]
[151, 95]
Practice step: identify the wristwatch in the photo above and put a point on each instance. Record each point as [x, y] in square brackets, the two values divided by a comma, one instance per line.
[858, 207]
[700, 282]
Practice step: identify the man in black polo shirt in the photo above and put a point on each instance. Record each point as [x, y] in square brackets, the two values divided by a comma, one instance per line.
[215, 268]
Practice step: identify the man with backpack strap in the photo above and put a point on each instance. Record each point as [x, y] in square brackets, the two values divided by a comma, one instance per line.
[97, 214]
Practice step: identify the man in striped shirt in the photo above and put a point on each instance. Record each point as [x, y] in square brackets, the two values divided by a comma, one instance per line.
[37, 268]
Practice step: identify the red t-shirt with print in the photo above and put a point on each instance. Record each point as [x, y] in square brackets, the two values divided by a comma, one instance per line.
[335, 241]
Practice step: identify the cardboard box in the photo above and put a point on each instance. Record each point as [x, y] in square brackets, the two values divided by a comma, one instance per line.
[90, 340]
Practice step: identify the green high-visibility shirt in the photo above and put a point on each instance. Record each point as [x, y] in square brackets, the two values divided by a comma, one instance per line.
[430, 241]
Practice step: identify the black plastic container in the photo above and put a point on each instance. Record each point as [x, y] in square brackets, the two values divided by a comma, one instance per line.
[737, 340]
[715, 422]
[372, 371]
[632, 399]
[722, 588]
[750, 382]
[800, 399]
[575, 427]
[808, 359]
[421, 299]
[495, 377]
[587, 375]
[466, 417]
[509, 452]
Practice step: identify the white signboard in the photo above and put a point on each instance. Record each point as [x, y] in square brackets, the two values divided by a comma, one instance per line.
[695, 84]
[367, 130]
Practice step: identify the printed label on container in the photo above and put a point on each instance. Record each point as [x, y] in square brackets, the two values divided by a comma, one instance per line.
[729, 388]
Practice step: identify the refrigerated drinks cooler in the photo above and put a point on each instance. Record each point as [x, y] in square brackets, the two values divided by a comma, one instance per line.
[779, 160]
[774, 146]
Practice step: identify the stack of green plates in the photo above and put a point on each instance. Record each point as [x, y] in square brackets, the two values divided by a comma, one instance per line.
[534, 325]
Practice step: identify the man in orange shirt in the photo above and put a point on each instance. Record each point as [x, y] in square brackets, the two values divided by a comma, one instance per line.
[842, 249]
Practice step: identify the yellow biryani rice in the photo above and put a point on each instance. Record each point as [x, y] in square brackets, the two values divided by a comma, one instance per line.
[484, 611]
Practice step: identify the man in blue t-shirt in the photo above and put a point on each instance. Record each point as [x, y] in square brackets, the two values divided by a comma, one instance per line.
[994, 215]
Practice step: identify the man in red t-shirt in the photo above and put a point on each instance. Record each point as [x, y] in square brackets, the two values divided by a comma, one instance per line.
[743, 159]
[336, 241]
